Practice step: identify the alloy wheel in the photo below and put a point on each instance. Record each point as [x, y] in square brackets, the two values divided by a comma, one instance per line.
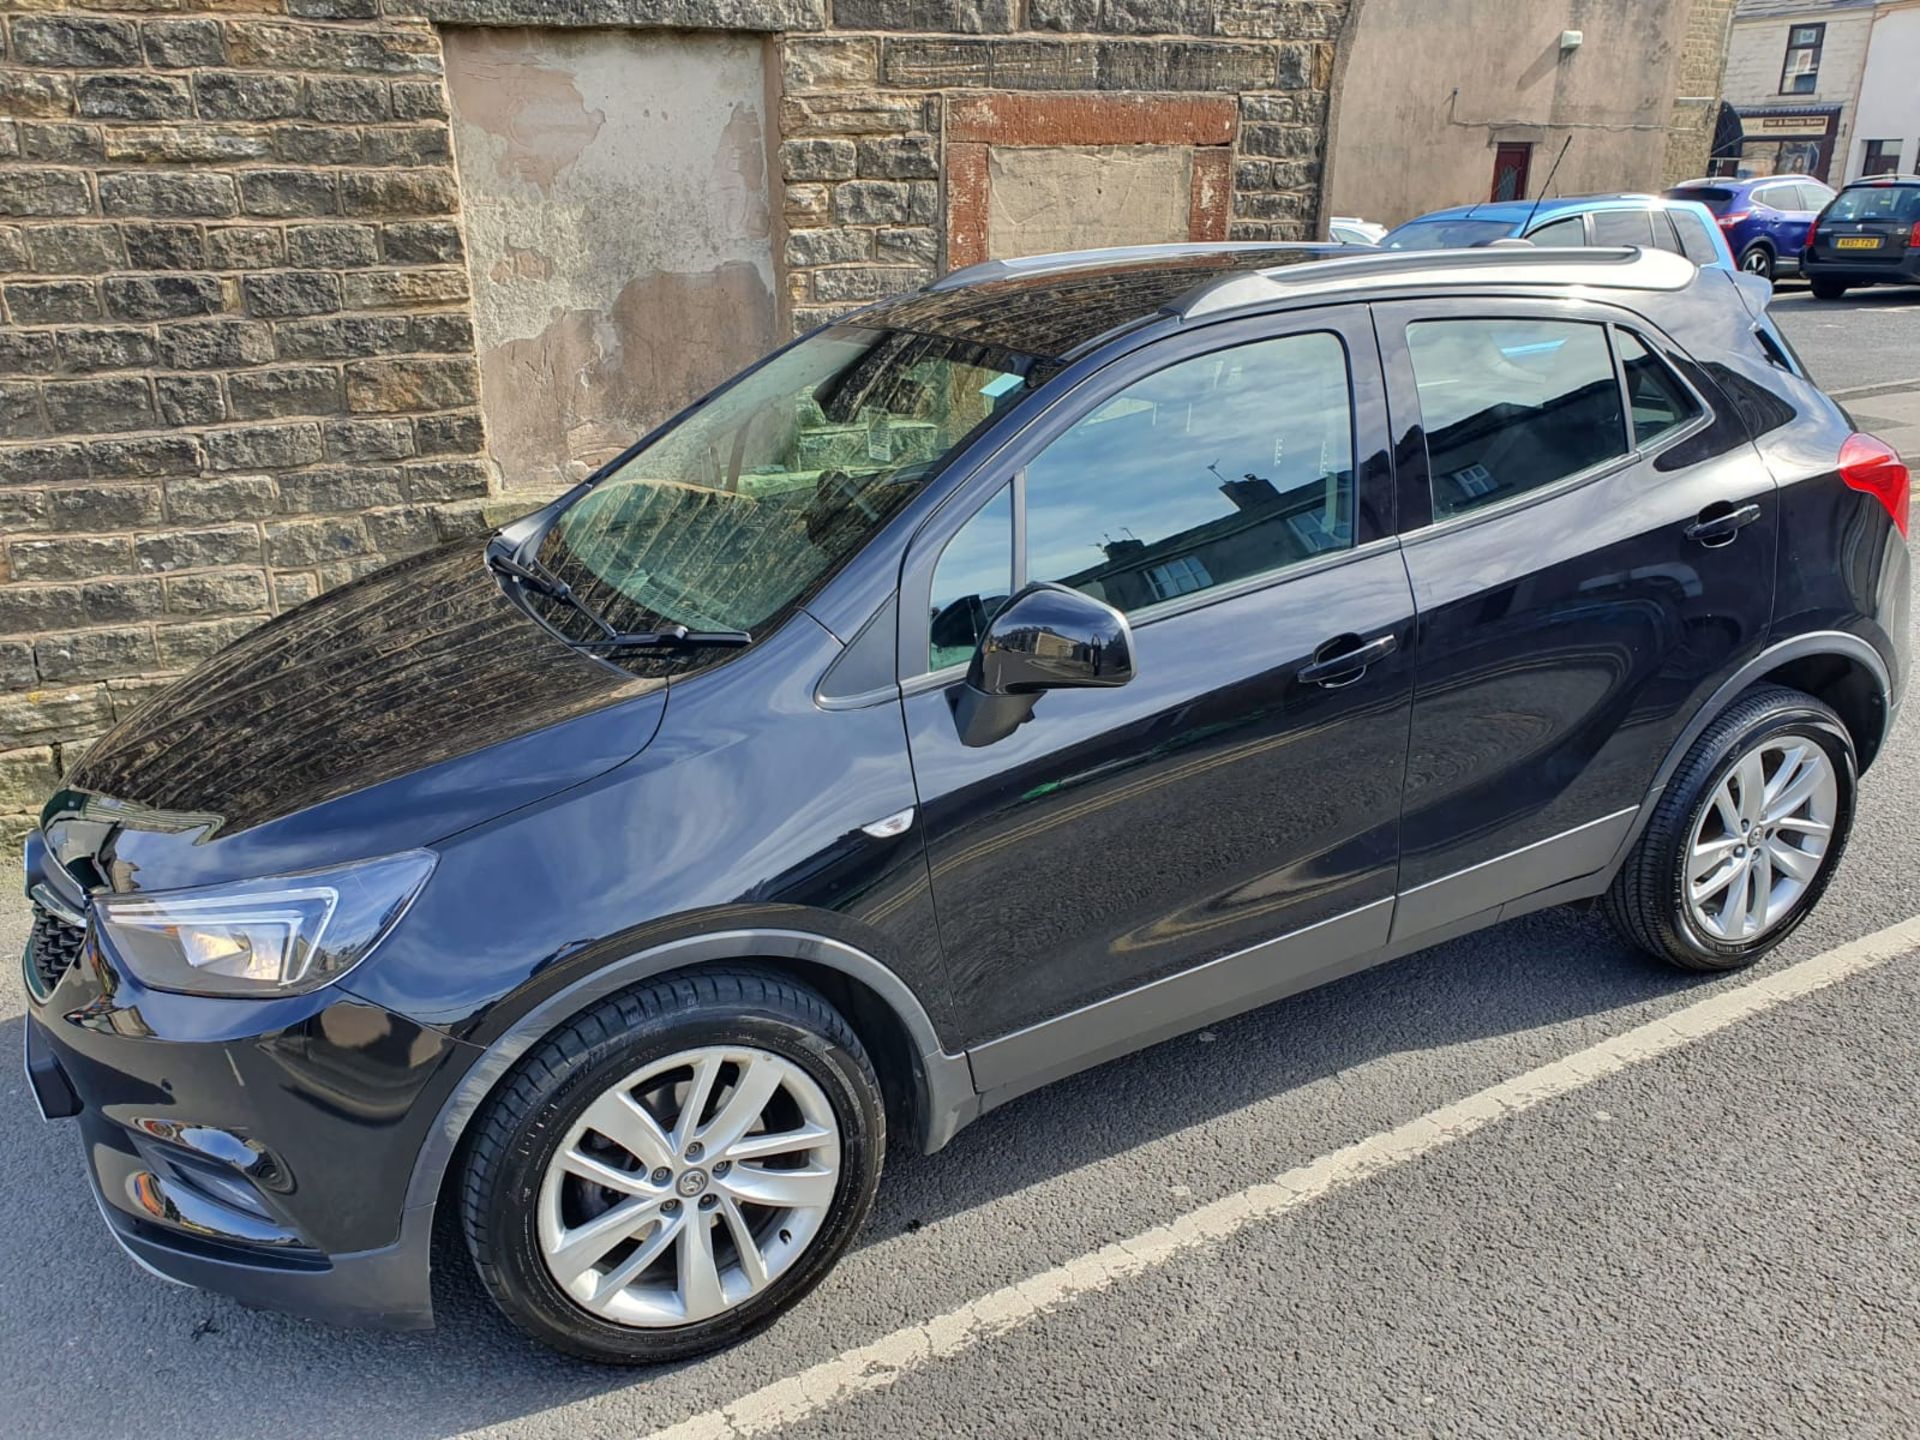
[690, 1186]
[1761, 838]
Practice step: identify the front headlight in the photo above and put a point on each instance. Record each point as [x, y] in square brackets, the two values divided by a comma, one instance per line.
[280, 936]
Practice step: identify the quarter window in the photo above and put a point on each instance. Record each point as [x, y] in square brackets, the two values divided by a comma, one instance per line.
[1695, 242]
[1217, 469]
[1658, 400]
[972, 580]
[1512, 405]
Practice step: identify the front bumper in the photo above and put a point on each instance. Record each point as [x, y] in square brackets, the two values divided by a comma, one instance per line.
[263, 1151]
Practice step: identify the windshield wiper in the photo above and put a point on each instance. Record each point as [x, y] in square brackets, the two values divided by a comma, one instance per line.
[677, 636]
[542, 581]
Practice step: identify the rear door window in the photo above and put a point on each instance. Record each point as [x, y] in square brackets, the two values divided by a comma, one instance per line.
[1512, 405]
[1659, 401]
[1695, 243]
[1621, 227]
[1663, 235]
[1813, 197]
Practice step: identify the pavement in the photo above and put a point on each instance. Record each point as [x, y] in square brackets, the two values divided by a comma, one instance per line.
[1529, 1183]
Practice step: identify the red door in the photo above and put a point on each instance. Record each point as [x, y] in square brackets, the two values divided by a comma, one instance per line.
[1510, 166]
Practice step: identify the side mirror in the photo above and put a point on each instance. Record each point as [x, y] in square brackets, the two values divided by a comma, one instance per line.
[1047, 637]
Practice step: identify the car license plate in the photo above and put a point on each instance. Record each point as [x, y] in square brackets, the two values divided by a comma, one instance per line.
[1858, 242]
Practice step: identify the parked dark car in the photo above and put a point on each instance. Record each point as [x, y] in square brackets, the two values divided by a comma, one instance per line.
[1765, 220]
[1001, 679]
[1869, 235]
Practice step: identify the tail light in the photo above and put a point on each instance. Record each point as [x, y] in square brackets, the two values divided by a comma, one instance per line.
[1813, 233]
[1913, 236]
[1728, 221]
[1869, 464]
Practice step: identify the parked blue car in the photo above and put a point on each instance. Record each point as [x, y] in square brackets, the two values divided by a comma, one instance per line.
[1650, 221]
[1764, 220]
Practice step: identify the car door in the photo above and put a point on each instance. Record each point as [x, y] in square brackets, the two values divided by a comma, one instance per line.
[1590, 539]
[1229, 490]
[1785, 220]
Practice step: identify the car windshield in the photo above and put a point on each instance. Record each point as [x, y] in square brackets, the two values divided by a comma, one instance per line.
[740, 511]
[1445, 234]
[1898, 203]
[1714, 197]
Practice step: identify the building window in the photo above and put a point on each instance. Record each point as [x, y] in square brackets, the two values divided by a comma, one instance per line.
[1180, 576]
[1883, 158]
[1510, 166]
[1801, 74]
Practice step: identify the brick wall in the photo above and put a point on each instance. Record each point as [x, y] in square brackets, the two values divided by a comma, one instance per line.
[236, 353]
[236, 345]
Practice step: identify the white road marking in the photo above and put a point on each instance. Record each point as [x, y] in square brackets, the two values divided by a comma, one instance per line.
[878, 1365]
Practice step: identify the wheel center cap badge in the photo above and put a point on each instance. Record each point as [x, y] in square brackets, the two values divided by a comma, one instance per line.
[691, 1182]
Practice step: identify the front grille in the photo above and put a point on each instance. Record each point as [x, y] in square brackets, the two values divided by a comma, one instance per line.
[56, 945]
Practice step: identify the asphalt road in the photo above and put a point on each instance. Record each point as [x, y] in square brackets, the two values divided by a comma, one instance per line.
[1867, 338]
[1723, 1238]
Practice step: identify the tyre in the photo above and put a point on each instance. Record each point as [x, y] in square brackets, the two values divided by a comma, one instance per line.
[676, 1167]
[1699, 889]
[1828, 289]
[1757, 259]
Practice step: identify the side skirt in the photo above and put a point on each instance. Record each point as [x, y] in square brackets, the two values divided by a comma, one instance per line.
[1573, 865]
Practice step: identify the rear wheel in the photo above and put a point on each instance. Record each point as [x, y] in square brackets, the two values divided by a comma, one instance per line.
[1828, 289]
[675, 1168]
[1744, 838]
[1757, 259]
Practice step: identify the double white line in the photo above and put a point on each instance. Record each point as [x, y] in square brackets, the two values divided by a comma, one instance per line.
[890, 1358]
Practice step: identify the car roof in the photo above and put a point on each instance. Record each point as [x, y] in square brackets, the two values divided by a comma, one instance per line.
[1867, 182]
[1518, 212]
[1054, 305]
[1057, 306]
[1727, 182]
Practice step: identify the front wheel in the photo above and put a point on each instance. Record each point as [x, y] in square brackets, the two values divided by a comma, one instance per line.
[1757, 259]
[1744, 838]
[675, 1168]
[1828, 289]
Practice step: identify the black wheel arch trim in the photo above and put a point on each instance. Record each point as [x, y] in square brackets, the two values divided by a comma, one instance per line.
[1812, 644]
[943, 1080]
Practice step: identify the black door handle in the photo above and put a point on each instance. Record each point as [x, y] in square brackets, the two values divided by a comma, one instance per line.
[1344, 659]
[1720, 522]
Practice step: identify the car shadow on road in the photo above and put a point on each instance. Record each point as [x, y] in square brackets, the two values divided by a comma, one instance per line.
[86, 1325]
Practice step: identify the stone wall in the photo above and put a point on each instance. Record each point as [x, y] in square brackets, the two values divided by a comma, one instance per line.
[237, 357]
[1696, 104]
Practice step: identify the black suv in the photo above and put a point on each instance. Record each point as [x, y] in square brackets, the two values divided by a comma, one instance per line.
[1006, 677]
[1869, 234]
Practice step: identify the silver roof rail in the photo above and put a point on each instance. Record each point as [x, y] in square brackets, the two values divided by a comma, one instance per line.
[1113, 255]
[1619, 268]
